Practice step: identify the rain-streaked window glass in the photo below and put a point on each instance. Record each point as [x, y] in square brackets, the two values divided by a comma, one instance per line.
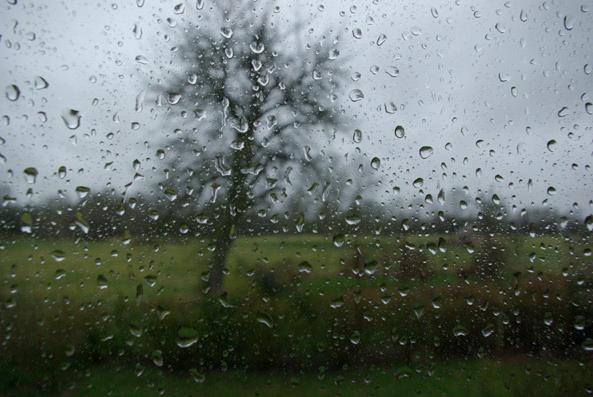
[296, 198]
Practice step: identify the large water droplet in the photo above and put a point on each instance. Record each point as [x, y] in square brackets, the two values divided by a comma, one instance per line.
[381, 39]
[392, 71]
[563, 112]
[102, 282]
[339, 240]
[59, 274]
[426, 152]
[27, 222]
[375, 163]
[371, 267]
[179, 8]
[137, 30]
[82, 223]
[257, 48]
[589, 222]
[500, 27]
[488, 330]
[31, 174]
[197, 376]
[186, 336]
[171, 193]
[551, 145]
[460, 331]
[568, 23]
[334, 54]
[264, 319]
[157, 358]
[40, 83]
[356, 95]
[82, 191]
[71, 118]
[12, 92]
[390, 108]
[226, 32]
[173, 98]
[353, 219]
[337, 303]
[58, 255]
[399, 131]
[141, 59]
[305, 267]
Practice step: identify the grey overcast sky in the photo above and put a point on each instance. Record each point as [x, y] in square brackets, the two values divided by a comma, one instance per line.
[500, 86]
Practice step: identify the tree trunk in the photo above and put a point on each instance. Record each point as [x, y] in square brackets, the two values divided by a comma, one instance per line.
[217, 267]
[237, 203]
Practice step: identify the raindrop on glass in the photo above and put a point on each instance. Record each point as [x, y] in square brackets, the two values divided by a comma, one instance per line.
[426, 152]
[71, 118]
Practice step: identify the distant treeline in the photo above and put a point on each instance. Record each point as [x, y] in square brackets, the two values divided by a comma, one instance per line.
[107, 215]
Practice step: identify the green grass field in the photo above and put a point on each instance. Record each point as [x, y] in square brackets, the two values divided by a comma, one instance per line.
[506, 377]
[108, 269]
[110, 298]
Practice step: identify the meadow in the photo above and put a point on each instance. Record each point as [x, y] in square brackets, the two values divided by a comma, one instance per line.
[171, 270]
[300, 314]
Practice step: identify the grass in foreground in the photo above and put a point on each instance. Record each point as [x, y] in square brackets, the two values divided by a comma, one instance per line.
[518, 376]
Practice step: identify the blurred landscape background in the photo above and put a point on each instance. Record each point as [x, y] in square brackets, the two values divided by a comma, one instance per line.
[289, 198]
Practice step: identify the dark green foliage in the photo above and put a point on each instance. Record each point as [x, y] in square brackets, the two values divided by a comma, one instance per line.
[488, 260]
[413, 263]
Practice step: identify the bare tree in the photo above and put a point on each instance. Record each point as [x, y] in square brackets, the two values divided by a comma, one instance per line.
[253, 101]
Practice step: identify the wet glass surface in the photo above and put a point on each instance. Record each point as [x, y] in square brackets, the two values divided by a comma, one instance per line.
[286, 198]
